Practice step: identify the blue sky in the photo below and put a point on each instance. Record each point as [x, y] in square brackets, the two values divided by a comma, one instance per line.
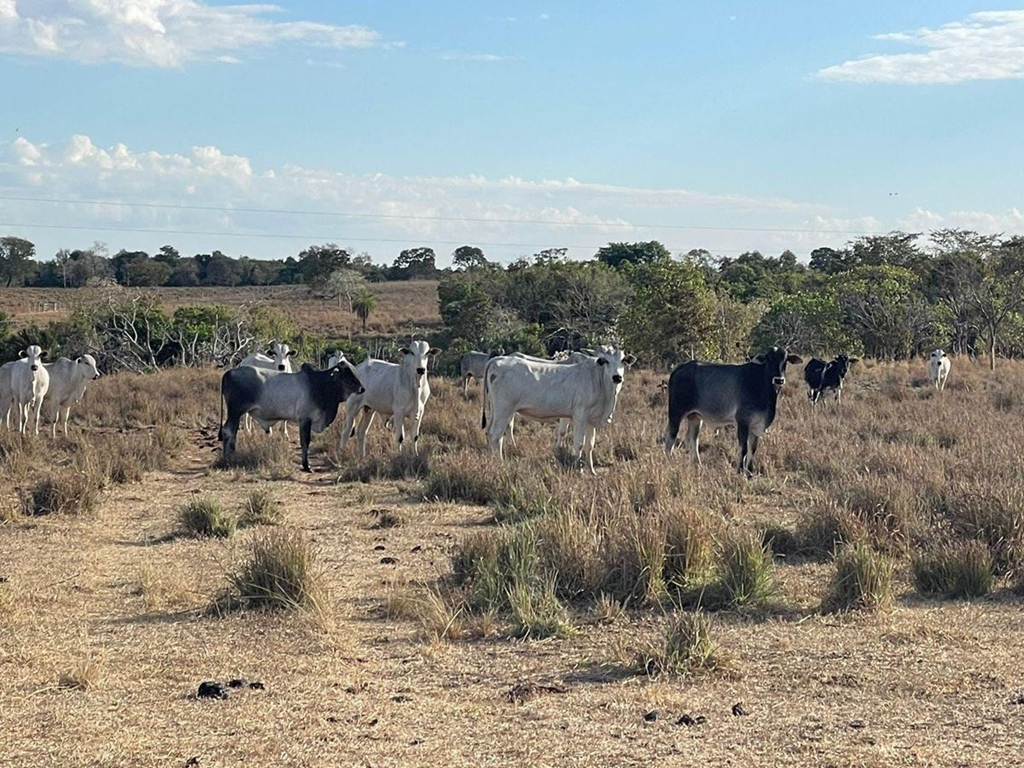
[728, 126]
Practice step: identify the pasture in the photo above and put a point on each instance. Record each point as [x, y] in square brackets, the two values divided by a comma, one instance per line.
[111, 615]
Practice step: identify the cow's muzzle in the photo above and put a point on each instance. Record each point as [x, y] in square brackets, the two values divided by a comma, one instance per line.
[420, 371]
[778, 381]
[617, 378]
[280, 367]
[35, 367]
[361, 390]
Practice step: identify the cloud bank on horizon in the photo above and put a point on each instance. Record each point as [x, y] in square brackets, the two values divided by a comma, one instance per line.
[988, 45]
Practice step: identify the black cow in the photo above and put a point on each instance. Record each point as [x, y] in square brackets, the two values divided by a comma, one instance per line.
[743, 395]
[310, 397]
[822, 377]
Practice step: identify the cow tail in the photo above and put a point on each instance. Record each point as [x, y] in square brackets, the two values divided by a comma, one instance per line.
[483, 399]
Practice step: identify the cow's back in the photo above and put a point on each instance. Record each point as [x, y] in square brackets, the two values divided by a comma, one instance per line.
[474, 363]
[542, 390]
[717, 391]
[379, 379]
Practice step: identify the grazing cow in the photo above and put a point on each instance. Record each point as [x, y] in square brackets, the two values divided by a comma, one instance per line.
[585, 390]
[67, 386]
[743, 395]
[399, 390]
[29, 383]
[277, 358]
[938, 369]
[472, 366]
[822, 377]
[309, 397]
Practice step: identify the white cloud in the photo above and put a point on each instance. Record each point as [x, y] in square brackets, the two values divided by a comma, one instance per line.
[985, 46]
[160, 33]
[465, 56]
[204, 198]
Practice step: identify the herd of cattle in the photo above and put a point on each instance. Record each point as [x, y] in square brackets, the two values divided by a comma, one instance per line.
[580, 389]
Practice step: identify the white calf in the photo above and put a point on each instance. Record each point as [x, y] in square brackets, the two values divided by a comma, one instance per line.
[67, 386]
[278, 358]
[938, 369]
[29, 382]
[399, 390]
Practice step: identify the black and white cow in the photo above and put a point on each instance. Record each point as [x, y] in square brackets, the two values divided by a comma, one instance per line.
[822, 377]
[720, 394]
[309, 397]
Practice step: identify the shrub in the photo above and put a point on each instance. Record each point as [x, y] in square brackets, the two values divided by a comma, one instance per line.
[959, 570]
[204, 517]
[63, 492]
[281, 571]
[863, 580]
[685, 648]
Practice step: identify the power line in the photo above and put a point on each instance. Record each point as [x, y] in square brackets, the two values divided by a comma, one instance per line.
[414, 217]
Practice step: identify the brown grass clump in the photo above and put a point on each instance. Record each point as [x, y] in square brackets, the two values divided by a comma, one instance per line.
[957, 570]
[260, 508]
[863, 580]
[282, 571]
[86, 675]
[270, 455]
[745, 574]
[439, 612]
[683, 649]
[62, 492]
[204, 517]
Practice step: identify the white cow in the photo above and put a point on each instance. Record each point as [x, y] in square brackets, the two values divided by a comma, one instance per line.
[938, 369]
[561, 358]
[29, 382]
[7, 390]
[399, 390]
[67, 386]
[585, 391]
[278, 358]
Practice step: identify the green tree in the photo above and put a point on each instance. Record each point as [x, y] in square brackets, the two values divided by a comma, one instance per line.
[883, 306]
[318, 262]
[618, 255]
[809, 322]
[363, 304]
[671, 316]
[414, 264]
[16, 259]
[469, 257]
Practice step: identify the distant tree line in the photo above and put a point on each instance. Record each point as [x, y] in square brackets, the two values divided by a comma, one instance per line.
[887, 296]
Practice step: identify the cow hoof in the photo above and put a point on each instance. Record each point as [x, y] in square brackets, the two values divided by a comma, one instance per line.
[307, 470]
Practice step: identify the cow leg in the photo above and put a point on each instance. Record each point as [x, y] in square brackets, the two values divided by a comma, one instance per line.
[284, 428]
[744, 438]
[672, 430]
[579, 433]
[563, 432]
[693, 425]
[512, 430]
[229, 432]
[416, 421]
[352, 408]
[465, 384]
[398, 419]
[365, 420]
[589, 439]
[305, 435]
[500, 422]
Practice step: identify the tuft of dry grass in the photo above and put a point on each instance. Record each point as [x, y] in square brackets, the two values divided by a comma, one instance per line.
[282, 571]
[260, 508]
[684, 648]
[957, 570]
[62, 492]
[439, 612]
[86, 675]
[862, 581]
[204, 517]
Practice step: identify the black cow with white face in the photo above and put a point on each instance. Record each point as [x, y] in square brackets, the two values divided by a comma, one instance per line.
[822, 377]
[721, 394]
[309, 397]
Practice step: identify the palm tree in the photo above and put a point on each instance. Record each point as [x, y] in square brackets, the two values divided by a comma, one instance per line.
[363, 304]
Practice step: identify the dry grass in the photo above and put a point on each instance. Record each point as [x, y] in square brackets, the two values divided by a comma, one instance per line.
[204, 517]
[593, 564]
[281, 571]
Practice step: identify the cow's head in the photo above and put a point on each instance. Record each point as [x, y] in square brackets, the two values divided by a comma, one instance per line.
[344, 375]
[87, 363]
[336, 357]
[938, 354]
[774, 362]
[280, 352]
[841, 365]
[33, 354]
[614, 363]
[498, 352]
[416, 355]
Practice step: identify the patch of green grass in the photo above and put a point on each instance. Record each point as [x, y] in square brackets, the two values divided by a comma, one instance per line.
[204, 517]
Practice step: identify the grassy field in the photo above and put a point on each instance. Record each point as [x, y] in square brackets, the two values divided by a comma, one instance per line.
[400, 305]
[111, 614]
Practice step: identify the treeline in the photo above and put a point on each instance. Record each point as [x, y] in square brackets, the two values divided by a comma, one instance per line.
[167, 267]
[885, 296]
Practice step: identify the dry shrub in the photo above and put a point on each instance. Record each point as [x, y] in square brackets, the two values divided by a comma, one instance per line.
[608, 610]
[957, 570]
[84, 676]
[260, 508]
[516, 490]
[204, 517]
[863, 580]
[282, 571]
[437, 610]
[536, 611]
[991, 512]
[62, 492]
[824, 528]
[685, 648]
[386, 518]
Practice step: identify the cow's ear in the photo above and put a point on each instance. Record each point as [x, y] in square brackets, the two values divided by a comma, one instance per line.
[291, 352]
[589, 352]
[434, 351]
[629, 360]
[22, 353]
[602, 361]
[757, 359]
[42, 354]
[794, 359]
[403, 351]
